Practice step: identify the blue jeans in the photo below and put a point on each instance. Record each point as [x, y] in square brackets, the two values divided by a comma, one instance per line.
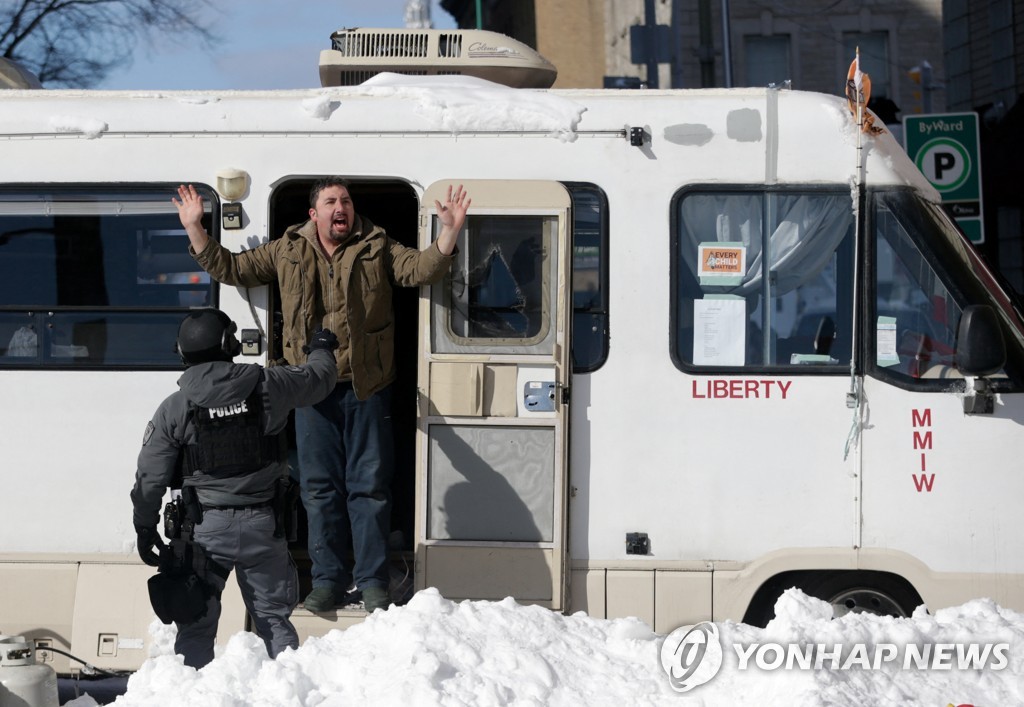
[346, 461]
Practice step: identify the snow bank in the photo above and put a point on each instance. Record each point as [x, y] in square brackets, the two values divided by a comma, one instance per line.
[433, 651]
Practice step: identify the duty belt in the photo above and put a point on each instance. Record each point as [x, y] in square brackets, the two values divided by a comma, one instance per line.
[261, 504]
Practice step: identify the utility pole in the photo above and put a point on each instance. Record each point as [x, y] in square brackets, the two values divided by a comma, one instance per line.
[651, 23]
[923, 77]
[926, 85]
[417, 14]
[706, 48]
[726, 44]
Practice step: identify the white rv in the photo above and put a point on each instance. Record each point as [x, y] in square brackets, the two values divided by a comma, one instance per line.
[698, 346]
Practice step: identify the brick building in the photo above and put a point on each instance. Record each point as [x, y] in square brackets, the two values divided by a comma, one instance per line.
[568, 33]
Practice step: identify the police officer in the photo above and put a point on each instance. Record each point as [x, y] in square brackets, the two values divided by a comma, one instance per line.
[226, 426]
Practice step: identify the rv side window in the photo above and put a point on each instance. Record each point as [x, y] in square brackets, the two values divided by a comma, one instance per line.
[763, 279]
[589, 277]
[94, 277]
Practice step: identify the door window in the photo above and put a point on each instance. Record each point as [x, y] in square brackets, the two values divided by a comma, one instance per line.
[916, 315]
[925, 274]
[500, 288]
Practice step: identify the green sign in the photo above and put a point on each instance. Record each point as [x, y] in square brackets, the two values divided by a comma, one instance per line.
[945, 147]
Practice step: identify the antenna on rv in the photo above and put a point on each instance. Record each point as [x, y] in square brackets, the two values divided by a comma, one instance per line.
[358, 54]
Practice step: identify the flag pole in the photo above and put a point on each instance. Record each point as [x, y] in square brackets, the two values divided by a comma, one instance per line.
[854, 398]
[858, 80]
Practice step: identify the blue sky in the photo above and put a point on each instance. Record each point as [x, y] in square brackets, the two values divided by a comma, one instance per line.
[263, 44]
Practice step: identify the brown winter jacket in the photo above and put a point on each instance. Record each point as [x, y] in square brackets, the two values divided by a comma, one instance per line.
[350, 294]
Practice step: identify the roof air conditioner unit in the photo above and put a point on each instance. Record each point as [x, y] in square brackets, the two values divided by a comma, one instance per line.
[358, 54]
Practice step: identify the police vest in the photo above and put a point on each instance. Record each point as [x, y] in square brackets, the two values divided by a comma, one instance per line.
[230, 439]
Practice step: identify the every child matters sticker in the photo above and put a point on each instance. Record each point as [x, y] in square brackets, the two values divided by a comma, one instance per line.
[721, 263]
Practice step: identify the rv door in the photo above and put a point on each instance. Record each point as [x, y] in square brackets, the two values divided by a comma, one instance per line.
[494, 390]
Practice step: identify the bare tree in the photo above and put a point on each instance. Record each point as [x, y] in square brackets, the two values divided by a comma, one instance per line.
[76, 43]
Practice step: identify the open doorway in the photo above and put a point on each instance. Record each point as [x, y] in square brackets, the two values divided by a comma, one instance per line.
[392, 205]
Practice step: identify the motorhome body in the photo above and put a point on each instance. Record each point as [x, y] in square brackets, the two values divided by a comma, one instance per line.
[587, 418]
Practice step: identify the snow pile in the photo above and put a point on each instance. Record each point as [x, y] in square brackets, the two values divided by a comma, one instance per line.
[319, 107]
[434, 651]
[89, 127]
[465, 103]
[879, 661]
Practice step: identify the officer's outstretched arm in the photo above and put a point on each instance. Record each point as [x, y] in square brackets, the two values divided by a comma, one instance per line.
[298, 386]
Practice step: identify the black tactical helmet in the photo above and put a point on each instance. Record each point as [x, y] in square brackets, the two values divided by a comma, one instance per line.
[207, 335]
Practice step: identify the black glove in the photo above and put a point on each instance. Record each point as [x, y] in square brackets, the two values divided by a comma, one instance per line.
[149, 543]
[322, 339]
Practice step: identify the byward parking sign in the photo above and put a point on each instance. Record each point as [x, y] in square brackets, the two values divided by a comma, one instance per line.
[945, 147]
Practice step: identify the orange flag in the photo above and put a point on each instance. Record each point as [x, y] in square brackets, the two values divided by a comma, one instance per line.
[858, 93]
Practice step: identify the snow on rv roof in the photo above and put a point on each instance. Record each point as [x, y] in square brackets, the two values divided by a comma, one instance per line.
[462, 103]
[442, 103]
[806, 125]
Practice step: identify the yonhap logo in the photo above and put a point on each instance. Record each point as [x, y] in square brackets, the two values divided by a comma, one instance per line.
[691, 656]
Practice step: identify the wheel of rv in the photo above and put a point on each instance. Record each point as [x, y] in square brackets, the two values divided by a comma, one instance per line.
[853, 591]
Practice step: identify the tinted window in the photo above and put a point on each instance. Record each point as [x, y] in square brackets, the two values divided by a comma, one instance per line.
[589, 277]
[92, 277]
[925, 274]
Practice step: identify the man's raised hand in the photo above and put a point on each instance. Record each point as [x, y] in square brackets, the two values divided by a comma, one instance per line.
[190, 207]
[452, 213]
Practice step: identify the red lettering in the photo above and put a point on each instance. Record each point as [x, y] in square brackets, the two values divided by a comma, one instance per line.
[924, 482]
[923, 442]
[922, 418]
[742, 388]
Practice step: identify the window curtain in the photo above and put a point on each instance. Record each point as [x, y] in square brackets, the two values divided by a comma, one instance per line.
[809, 228]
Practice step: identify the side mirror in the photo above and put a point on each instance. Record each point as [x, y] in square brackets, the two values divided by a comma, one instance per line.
[980, 350]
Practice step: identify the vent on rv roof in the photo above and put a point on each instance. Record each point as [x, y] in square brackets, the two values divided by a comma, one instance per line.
[358, 54]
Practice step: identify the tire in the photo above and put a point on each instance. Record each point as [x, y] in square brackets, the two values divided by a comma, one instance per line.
[853, 591]
[865, 592]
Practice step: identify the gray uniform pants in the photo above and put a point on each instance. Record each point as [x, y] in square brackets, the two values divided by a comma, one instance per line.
[243, 539]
